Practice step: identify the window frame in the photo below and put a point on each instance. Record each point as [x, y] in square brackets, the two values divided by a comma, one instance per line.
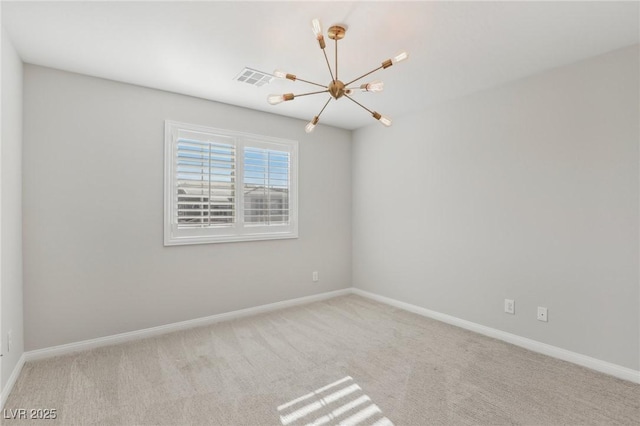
[238, 230]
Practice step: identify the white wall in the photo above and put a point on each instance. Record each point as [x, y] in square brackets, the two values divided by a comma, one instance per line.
[95, 264]
[11, 208]
[528, 191]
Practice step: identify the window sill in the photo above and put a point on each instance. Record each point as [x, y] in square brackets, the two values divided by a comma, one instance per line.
[213, 239]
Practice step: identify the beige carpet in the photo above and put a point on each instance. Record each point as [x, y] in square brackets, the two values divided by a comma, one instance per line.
[346, 360]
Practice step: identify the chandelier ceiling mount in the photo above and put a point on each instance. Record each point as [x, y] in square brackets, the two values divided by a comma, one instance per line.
[337, 32]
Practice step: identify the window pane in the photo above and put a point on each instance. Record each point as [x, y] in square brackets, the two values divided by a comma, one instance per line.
[266, 186]
[205, 184]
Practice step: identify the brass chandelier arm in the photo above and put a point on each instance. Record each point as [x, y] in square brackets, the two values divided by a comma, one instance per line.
[311, 82]
[382, 119]
[311, 93]
[364, 75]
[314, 121]
[362, 106]
[336, 58]
[329, 66]
[294, 77]
[325, 105]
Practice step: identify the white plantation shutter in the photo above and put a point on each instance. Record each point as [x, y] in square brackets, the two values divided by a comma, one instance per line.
[266, 186]
[223, 186]
[205, 183]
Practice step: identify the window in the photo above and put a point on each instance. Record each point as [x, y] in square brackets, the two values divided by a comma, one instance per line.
[223, 186]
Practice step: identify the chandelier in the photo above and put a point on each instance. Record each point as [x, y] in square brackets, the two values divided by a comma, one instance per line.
[337, 89]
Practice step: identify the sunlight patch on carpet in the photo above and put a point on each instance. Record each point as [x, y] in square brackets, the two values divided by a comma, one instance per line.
[342, 402]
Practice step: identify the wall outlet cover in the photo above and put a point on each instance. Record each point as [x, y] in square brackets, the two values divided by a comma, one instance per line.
[510, 306]
[542, 314]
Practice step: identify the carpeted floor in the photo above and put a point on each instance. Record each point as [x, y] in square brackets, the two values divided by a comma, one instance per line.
[346, 360]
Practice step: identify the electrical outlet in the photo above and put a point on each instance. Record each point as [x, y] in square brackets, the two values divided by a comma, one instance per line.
[542, 314]
[315, 276]
[9, 340]
[510, 306]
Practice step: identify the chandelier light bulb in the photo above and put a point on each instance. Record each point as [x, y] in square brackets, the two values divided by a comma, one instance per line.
[316, 28]
[400, 57]
[381, 118]
[275, 99]
[283, 75]
[312, 124]
[374, 86]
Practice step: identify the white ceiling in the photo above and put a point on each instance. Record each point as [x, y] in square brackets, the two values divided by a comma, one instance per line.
[197, 48]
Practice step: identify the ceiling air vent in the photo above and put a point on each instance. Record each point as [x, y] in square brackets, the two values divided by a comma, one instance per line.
[254, 77]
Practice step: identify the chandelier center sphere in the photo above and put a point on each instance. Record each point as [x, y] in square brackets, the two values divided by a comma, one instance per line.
[336, 89]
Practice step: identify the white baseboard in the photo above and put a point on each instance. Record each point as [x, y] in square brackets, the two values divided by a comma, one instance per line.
[8, 387]
[183, 325]
[533, 345]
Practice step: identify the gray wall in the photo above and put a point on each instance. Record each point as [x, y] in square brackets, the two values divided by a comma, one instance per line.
[11, 208]
[528, 191]
[95, 264]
